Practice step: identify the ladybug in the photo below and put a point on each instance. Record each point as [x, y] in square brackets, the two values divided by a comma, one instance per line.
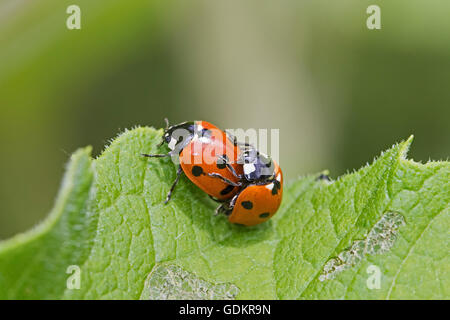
[257, 203]
[204, 152]
[261, 190]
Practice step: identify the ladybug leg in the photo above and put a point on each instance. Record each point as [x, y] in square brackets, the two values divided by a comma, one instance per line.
[224, 208]
[219, 210]
[215, 199]
[216, 175]
[233, 200]
[229, 166]
[246, 145]
[159, 145]
[169, 195]
[156, 155]
[227, 206]
[231, 169]
[233, 139]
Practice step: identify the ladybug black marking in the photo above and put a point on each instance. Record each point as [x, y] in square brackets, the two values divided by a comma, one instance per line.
[276, 187]
[247, 205]
[221, 165]
[197, 171]
[264, 215]
[227, 190]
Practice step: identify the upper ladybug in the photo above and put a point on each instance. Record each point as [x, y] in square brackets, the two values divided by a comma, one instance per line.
[204, 152]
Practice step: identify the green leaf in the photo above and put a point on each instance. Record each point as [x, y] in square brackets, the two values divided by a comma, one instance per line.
[33, 265]
[378, 233]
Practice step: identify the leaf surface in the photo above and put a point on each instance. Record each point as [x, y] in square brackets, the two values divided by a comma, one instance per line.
[378, 233]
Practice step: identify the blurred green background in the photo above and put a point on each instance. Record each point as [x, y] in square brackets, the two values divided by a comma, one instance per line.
[338, 92]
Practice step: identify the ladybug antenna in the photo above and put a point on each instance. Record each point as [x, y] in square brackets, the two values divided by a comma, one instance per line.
[161, 143]
[165, 130]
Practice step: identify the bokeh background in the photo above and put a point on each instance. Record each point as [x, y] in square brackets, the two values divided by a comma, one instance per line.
[338, 92]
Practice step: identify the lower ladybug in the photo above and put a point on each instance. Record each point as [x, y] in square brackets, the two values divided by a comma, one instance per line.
[257, 203]
[204, 152]
[261, 190]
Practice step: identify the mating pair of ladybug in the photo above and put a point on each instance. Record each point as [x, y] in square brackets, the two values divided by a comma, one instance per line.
[248, 184]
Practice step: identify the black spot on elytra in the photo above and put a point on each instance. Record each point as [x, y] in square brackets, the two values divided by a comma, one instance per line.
[227, 190]
[264, 215]
[276, 187]
[221, 165]
[197, 171]
[247, 205]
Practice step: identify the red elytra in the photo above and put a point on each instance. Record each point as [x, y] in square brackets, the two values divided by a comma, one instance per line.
[201, 157]
[256, 204]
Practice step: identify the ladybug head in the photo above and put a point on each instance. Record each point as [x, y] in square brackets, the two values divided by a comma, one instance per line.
[178, 136]
[257, 166]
